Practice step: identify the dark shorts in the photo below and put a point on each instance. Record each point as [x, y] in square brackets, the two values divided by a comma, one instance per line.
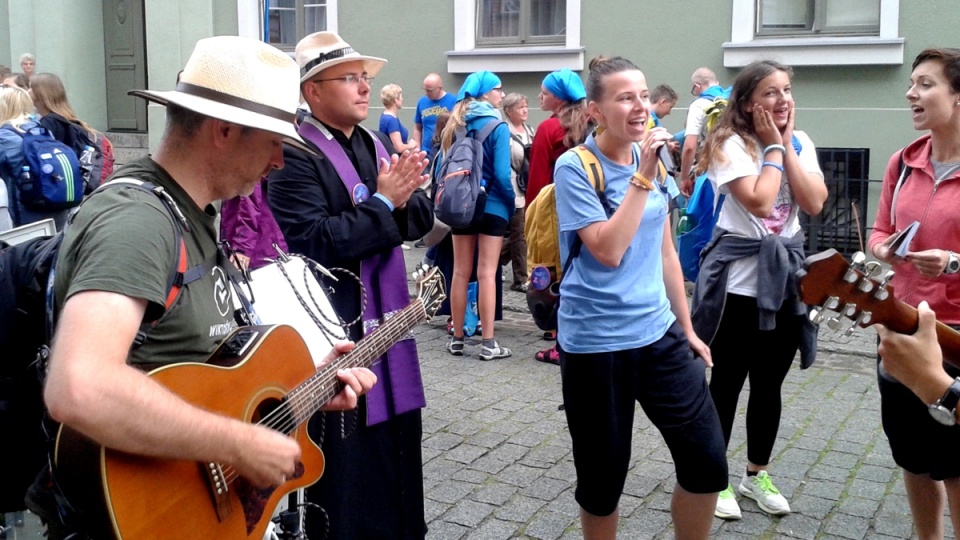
[919, 443]
[490, 225]
[600, 392]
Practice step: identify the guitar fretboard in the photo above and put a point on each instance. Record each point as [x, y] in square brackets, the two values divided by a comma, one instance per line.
[307, 398]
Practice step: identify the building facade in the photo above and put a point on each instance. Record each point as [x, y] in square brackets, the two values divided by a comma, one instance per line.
[851, 58]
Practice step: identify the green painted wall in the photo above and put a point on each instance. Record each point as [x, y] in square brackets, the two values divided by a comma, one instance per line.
[69, 25]
[5, 55]
[842, 106]
[173, 28]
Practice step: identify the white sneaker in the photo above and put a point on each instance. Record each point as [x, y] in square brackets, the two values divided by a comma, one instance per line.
[761, 489]
[727, 507]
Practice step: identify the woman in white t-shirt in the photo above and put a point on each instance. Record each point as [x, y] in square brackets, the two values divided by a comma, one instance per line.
[745, 306]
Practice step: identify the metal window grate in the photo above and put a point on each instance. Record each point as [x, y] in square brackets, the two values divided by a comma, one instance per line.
[845, 171]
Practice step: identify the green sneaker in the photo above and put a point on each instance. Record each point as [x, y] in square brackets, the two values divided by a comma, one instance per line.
[727, 507]
[761, 489]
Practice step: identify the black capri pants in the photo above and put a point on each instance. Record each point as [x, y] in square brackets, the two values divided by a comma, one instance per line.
[600, 392]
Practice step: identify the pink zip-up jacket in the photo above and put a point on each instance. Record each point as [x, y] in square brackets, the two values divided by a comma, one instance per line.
[937, 208]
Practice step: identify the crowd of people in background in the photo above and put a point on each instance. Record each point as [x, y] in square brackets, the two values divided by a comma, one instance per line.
[627, 332]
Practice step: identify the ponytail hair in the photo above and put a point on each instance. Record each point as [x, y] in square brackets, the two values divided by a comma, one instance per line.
[457, 120]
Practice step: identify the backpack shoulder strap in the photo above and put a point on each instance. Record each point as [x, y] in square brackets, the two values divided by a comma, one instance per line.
[592, 165]
[181, 274]
[905, 171]
[486, 130]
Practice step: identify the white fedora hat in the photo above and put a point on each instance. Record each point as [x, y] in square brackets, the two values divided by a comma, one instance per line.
[321, 50]
[238, 80]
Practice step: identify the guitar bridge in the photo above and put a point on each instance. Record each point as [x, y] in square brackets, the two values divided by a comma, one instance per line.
[219, 489]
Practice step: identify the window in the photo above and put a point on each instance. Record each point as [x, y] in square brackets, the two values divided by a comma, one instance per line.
[807, 17]
[815, 32]
[288, 21]
[520, 22]
[515, 36]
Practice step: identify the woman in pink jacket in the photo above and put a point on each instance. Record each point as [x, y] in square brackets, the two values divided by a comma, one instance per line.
[922, 184]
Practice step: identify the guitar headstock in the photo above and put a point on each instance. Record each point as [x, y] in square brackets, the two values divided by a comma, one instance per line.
[430, 291]
[850, 289]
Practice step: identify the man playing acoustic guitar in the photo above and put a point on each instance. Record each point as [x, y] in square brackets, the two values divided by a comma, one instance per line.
[233, 107]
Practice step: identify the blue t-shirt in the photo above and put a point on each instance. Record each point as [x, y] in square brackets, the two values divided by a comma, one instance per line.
[607, 309]
[389, 124]
[427, 112]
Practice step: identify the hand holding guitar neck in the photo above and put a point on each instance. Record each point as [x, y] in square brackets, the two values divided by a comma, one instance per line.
[840, 291]
[916, 360]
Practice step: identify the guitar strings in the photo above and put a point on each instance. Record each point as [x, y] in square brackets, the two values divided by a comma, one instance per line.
[302, 402]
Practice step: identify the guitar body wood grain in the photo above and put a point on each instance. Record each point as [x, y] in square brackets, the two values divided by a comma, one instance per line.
[141, 498]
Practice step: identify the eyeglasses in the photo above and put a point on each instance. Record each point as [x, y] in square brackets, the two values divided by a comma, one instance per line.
[429, 90]
[500, 89]
[351, 79]
[693, 90]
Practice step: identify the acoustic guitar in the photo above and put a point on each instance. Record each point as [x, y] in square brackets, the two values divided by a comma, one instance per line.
[260, 374]
[827, 280]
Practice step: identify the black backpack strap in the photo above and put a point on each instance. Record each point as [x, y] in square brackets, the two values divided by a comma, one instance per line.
[181, 274]
[905, 171]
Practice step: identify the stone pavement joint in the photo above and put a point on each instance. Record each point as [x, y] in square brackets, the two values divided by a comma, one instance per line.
[498, 464]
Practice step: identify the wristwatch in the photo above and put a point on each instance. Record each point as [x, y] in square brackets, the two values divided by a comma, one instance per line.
[953, 263]
[943, 410]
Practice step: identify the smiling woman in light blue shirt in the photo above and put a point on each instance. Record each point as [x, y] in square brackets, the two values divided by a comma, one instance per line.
[625, 335]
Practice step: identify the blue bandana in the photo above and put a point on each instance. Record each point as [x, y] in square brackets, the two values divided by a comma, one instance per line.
[566, 85]
[478, 84]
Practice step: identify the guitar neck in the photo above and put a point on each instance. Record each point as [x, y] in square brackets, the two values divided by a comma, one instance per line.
[307, 398]
[907, 320]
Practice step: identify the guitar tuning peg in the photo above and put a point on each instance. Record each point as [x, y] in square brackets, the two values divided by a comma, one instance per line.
[858, 259]
[872, 269]
[834, 323]
[818, 314]
[865, 284]
[849, 310]
[882, 292]
[862, 320]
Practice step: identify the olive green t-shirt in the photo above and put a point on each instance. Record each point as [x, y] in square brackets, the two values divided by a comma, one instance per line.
[122, 240]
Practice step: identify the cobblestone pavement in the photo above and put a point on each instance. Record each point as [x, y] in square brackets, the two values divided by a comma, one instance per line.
[498, 464]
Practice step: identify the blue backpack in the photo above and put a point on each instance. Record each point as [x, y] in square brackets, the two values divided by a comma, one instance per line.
[703, 217]
[54, 180]
[461, 192]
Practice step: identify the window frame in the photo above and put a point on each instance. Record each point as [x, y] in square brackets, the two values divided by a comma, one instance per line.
[467, 57]
[819, 27]
[745, 46]
[250, 20]
[524, 38]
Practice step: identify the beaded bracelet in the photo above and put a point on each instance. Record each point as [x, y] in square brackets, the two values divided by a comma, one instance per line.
[773, 147]
[776, 166]
[641, 181]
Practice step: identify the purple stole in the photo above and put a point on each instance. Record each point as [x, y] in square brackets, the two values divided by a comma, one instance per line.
[399, 388]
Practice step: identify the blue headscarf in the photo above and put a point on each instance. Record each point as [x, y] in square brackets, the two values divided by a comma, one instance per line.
[478, 84]
[566, 85]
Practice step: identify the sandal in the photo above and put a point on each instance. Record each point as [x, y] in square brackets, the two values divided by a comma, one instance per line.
[491, 353]
[455, 347]
[548, 356]
[550, 335]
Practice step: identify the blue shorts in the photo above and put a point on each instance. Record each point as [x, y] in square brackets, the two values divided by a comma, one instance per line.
[600, 392]
[490, 225]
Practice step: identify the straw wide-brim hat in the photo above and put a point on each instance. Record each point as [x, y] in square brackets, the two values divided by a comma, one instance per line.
[238, 80]
[321, 50]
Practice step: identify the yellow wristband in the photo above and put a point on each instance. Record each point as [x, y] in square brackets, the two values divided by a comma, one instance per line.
[641, 181]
